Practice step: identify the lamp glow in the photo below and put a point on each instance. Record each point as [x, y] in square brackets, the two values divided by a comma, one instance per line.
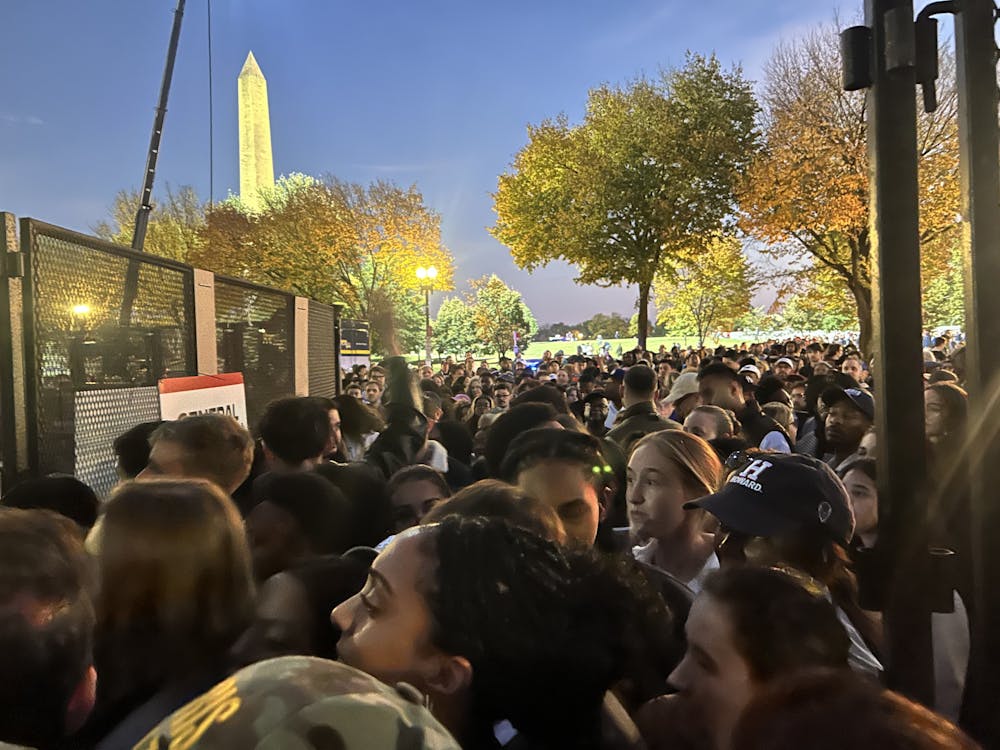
[432, 273]
[421, 273]
[81, 309]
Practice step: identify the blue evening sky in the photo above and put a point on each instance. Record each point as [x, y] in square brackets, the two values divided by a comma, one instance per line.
[436, 92]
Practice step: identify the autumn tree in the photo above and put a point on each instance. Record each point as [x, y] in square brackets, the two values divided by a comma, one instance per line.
[455, 328]
[706, 294]
[335, 241]
[175, 223]
[500, 315]
[651, 169]
[806, 194]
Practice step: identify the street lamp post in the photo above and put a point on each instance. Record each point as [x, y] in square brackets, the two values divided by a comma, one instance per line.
[427, 276]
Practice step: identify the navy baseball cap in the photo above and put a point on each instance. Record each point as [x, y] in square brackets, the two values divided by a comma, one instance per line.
[776, 494]
[862, 400]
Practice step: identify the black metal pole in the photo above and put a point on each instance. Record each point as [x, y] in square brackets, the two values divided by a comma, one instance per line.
[142, 214]
[338, 386]
[896, 302]
[980, 173]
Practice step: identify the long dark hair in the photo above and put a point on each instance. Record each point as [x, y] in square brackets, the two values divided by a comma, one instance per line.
[547, 632]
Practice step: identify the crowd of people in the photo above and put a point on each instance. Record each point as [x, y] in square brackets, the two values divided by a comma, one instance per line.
[658, 551]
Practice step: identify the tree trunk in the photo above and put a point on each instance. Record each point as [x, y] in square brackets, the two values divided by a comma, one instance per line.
[643, 322]
[863, 301]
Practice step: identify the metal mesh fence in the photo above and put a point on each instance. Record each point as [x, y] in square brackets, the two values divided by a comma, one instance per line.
[254, 330]
[76, 294]
[322, 368]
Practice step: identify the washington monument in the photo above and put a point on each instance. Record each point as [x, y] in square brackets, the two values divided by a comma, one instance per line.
[256, 166]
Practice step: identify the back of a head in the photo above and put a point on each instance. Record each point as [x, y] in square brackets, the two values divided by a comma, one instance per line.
[778, 626]
[534, 622]
[509, 426]
[640, 383]
[365, 490]
[295, 429]
[356, 418]
[216, 447]
[779, 412]
[543, 394]
[830, 710]
[549, 444]
[64, 495]
[418, 473]
[490, 498]
[327, 581]
[46, 625]
[176, 584]
[132, 448]
[317, 505]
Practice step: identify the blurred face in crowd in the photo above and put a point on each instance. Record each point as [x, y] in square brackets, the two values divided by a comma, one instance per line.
[782, 369]
[718, 390]
[596, 411]
[167, 458]
[845, 426]
[713, 676]
[334, 442]
[373, 392]
[821, 368]
[569, 489]
[852, 366]
[935, 415]
[683, 407]
[562, 378]
[282, 624]
[798, 395]
[426, 372]
[501, 394]
[412, 501]
[482, 405]
[572, 395]
[354, 391]
[867, 446]
[703, 425]
[864, 498]
[655, 495]
[475, 390]
[386, 627]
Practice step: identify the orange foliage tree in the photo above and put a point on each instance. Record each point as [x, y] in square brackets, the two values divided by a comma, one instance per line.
[806, 193]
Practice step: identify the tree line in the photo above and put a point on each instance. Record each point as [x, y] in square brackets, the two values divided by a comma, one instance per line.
[666, 180]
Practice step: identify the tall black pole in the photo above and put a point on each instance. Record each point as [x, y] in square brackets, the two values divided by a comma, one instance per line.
[142, 214]
[899, 398]
[980, 173]
[337, 337]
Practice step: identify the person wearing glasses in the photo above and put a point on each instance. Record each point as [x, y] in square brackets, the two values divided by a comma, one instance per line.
[793, 512]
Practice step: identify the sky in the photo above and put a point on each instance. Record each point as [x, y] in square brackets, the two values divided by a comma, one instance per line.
[436, 93]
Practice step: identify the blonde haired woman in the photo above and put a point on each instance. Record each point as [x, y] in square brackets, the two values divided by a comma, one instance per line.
[665, 470]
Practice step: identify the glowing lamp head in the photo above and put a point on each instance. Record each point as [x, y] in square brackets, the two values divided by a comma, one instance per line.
[432, 273]
[81, 309]
[421, 273]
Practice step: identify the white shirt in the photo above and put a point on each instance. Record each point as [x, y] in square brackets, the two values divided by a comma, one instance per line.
[612, 415]
[646, 553]
[775, 441]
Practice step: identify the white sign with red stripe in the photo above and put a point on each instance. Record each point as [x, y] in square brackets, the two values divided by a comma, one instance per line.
[204, 394]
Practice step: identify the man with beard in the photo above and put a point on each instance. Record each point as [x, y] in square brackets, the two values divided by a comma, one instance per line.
[850, 414]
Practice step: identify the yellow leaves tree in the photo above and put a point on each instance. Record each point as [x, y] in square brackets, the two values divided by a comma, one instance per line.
[650, 170]
[806, 193]
[335, 241]
[707, 293]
